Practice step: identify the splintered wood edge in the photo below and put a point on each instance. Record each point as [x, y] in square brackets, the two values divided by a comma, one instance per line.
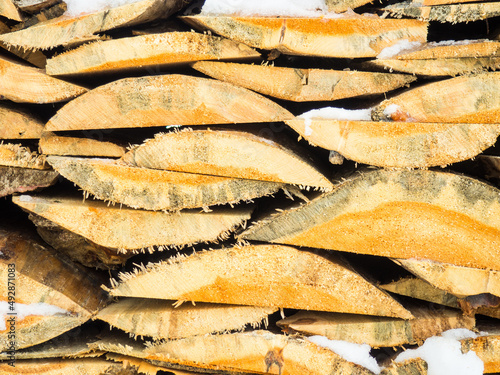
[253, 157]
[122, 107]
[15, 155]
[107, 225]
[423, 196]
[147, 50]
[398, 144]
[264, 262]
[52, 144]
[134, 186]
[9, 10]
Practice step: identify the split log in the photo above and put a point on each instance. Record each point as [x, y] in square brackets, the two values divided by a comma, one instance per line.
[254, 352]
[87, 366]
[459, 281]
[401, 214]
[152, 189]
[21, 180]
[206, 152]
[127, 229]
[340, 6]
[415, 366]
[487, 349]
[378, 331]
[68, 294]
[24, 84]
[18, 124]
[34, 57]
[437, 67]
[147, 51]
[44, 15]
[464, 99]
[53, 144]
[15, 155]
[4, 28]
[34, 6]
[77, 247]
[144, 367]
[261, 275]
[452, 13]
[159, 319]
[303, 84]
[66, 30]
[165, 100]
[398, 144]
[347, 36]
[9, 10]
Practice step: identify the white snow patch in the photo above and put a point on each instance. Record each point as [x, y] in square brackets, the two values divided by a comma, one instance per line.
[308, 130]
[355, 353]
[391, 109]
[266, 8]
[25, 198]
[444, 355]
[395, 49]
[456, 42]
[79, 7]
[334, 113]
[22, 310]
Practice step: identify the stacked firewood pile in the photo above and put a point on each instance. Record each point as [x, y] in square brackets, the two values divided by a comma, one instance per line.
[312, 193]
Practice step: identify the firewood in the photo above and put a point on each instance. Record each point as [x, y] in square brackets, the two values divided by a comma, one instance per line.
[459, 281]
[17, 123]
[165, 100]
[21, 180]
[65, 30]
[450, 49]
[206, 152]
[464, 99]
[34, 57]
[253, 352]
[402, 214]
[127, 229]
[147, 51]
[348, 36]
[71, 294]
[261, 275]
[437, 67]
[339, 6]
[52, 12]
[415, 366]
[24, 84]
[77, 247]
[152, 189]
[9, 10]
[159, 319]
[15, 155]
[33, 6]
[398, 144]
[303, 84]
[87, 366]
[487, 348]
[453, 13]
[4, 28]
[377, 331]
[54, 144]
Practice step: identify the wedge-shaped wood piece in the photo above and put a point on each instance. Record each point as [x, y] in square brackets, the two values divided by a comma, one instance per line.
[253, 352]
[52, 295]
[130, 229]
[16, 123]
[165, 100]
[460, 281]
[160, 319]
[261, 275]
[24, 84]
[347, 36]
[77, 247]
[440, 2]
[153, 189]
[464, 99]
[416, 366]
[33, 6]
[452, 13]
[303, 84]
[206, 152]
[398, 144]
[486, 348]
[66, 30]
[53, 144]
[402, 214]
[147, 51]
[9, 10]
[15, 155]
[378, 331]
[21, 180]
[437, 67]
[49, 13]
[87, 366]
